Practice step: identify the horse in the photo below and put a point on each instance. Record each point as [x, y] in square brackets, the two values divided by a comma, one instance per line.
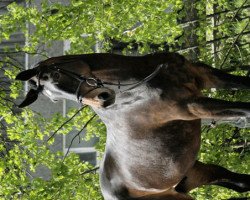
[152, 107]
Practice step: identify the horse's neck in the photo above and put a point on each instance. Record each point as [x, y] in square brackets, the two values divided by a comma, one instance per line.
[117, 68]
[120, 74]
[117, 117]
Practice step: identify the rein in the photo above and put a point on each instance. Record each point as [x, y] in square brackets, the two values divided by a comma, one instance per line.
[134, 85]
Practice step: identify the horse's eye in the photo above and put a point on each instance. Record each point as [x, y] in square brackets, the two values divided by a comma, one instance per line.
[56, 76]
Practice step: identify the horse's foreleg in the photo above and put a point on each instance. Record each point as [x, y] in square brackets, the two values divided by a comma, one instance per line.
[208, 108]
[214, 78]
[207, 174]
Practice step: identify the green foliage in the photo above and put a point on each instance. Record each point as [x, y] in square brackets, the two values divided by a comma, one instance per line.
[97, 20]
[230, 50]
[29, 152]
[24, 148]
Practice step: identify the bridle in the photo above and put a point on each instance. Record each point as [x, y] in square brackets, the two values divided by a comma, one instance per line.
[98, 83]
[90, 81]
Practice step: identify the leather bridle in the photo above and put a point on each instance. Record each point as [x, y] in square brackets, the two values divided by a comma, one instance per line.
[97, 83]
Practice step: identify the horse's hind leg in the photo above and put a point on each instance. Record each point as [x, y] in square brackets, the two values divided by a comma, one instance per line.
[213, 78]
[207, 174]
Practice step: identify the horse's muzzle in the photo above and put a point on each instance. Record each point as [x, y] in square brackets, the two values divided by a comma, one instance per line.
[99, 98]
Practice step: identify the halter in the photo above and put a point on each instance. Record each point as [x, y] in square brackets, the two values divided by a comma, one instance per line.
[97, 83]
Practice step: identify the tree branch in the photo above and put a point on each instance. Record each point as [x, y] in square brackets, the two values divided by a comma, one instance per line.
[239, 45]
[238, 10]
[216, 14]
[212, 41]
[66, 122]
[225, 58]
[10, 63]
[71, 143]
[21, 51]
[2, 7]
[234, 68]
[90, 171]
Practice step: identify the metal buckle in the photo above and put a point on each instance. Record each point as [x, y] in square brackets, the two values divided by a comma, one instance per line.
[93, 82]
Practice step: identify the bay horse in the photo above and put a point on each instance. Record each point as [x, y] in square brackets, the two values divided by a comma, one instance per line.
[152, 107]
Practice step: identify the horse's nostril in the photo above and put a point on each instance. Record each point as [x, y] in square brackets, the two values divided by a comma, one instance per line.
[32, 83]
[103, 96]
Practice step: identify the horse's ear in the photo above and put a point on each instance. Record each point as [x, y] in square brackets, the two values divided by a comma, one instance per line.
[26, 75]
[30, 98]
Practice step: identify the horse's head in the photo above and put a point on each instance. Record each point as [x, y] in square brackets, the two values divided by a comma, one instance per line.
[65, 78]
